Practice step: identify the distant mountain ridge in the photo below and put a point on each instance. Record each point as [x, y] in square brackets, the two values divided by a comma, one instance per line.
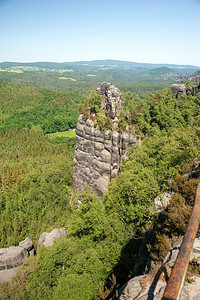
[134, 64]
[101, 64]
[86, 75]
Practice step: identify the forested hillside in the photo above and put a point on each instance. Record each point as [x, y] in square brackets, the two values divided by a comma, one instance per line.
[84, 76]
[33, 167]
[100, 251]
[25, 107]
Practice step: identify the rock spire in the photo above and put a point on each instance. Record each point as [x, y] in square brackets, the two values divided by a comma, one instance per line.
[112, 100]
[98, 155]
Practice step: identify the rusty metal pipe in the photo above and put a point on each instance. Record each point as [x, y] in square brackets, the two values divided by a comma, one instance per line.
[177, 277]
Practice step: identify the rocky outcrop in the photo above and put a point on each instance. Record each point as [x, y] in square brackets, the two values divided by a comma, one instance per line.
[152, 285]
[182, 89]
[138, 289]
[47, 238]
[98, 155]
[13, 257]
[178, 89]
[162, 201]
[196, 89]
[112, 100]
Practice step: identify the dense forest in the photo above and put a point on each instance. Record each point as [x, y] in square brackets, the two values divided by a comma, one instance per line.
[104, 236]
[25, 107]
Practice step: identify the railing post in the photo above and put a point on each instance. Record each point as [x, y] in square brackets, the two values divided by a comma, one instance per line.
[177, 277]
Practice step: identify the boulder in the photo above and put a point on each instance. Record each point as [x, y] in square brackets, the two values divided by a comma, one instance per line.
[47, 238]
[178, 89]
[13, 257]
[130, 290]
[162, 201]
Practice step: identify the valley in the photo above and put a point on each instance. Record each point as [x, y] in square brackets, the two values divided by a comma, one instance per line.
[112, 235]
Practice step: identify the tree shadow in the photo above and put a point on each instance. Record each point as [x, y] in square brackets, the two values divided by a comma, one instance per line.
[132, 263]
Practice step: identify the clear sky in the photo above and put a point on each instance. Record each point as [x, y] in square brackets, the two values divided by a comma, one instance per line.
[154, 31]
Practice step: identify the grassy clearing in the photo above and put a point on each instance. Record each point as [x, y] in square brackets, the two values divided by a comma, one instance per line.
[11, 71]
[69, 78]
[70, 133]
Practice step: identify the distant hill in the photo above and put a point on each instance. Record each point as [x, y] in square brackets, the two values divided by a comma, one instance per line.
[162, 70]
[129, 64]
[101, 65]
[82, 76]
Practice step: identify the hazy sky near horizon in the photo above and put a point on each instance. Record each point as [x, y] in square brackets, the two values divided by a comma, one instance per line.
[151, 31]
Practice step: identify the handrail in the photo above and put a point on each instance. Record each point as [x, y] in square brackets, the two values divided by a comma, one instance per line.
[177, 277]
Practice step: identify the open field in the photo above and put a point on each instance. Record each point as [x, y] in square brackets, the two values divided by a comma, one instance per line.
[11, 71]
[70, 134]
[69, 78]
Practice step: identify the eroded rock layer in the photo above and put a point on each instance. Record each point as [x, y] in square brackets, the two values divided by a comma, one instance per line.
[11, 258]
[98, 155]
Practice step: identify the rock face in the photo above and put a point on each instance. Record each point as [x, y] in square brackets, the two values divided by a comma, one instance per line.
[178, 89]
[196, 89]
[182, 89]
[145, 287]
[12, 257]
[112, 100]
[47, 238]
[98, 155]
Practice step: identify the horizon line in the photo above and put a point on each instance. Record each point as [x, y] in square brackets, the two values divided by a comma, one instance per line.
[93, 60]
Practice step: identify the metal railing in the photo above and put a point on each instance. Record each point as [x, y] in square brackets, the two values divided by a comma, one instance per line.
[177, 277]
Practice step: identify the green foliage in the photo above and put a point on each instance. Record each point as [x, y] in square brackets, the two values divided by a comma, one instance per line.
[13, 290]
[92, 106]
[188, 83]
[49, 119]
[178, 215]
[94, 102]
[84, 110]
[100, 250]
[103, 121]
[71, 269]
[25, 107]
[131, 194]
[68, 142]
[161, 110]
[122, 122]
[173, 221]
[81, 78]
[34, 174]
[165, 153]
[193, 269]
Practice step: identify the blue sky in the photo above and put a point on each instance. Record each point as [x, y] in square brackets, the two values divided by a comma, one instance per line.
[154, 31]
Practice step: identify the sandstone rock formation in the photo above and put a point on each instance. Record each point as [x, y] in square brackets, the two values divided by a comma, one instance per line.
[47, 238]
[98, 155]
[152, 285]
[13, 257]
[178, 89]
[112, 100]
[182, 89]
[196, 89]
